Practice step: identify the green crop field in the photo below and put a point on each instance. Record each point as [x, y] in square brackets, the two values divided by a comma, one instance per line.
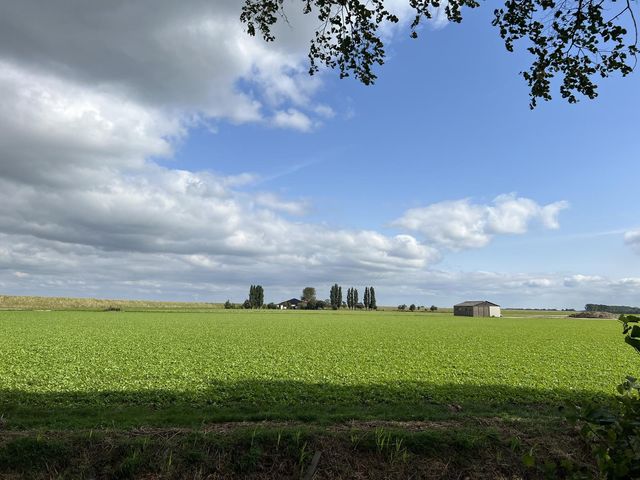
[237, 393]
[303, 364]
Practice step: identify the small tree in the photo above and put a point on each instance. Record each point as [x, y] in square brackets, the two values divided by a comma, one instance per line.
[412, 307]
[228, 305]
[246, 304]
[402, 307]
[308, 293]
[433, 308]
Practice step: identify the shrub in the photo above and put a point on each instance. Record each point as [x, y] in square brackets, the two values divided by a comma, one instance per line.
[228, 305]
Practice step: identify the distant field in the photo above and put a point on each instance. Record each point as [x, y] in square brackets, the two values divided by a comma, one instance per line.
[8, 302]
[303, 364]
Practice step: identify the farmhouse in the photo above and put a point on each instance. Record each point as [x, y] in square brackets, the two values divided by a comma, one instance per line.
[480, 308]
[291, 303]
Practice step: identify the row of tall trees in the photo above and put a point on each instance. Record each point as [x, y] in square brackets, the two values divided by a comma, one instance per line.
[335, 296]
[370, 298]
[352, 298]
[309, 300]
[368, 302]
[256, 296]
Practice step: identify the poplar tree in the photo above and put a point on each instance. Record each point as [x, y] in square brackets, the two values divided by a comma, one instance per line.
[335, 296]
[372, 299]
[355, 297]
[332, 296]
[256, 296]
[366, 298]
[259, 296]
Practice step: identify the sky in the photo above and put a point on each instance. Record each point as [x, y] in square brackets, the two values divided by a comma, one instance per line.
[153, 150]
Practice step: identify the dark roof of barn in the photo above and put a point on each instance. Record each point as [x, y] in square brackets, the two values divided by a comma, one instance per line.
[291, 301]
[474, 303]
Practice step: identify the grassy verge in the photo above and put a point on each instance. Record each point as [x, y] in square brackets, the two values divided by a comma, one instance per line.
[491, 448]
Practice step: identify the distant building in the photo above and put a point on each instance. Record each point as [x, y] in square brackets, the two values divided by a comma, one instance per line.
[291, 303]
[480, 308]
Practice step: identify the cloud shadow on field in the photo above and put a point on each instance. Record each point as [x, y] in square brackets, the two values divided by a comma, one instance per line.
[255, 400]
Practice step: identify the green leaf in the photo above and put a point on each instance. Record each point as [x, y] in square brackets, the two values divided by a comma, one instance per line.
[528, 460]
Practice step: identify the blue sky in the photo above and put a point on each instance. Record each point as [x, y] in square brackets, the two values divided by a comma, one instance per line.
[446, 127]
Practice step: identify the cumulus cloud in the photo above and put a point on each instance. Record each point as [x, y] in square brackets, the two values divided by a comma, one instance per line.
[91, 94]
[191, 61]
[578, 280]
[460, 224]
[292, 118]
[632, 239]
[273, 202]
[538, 283]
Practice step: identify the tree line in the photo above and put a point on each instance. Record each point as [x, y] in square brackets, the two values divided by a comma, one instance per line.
[413, 308]
[308, 300]
[623, 309]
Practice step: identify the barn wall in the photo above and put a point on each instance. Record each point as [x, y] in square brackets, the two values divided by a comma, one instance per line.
[463, 311]
[477, 311]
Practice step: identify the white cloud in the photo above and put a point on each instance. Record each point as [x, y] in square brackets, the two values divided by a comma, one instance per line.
[325, 111]
[292, 118]
[273, 202]
[632, 239]
[538, 283]
[460, 224]
[578, 280]
[189, 62]
[84, 109]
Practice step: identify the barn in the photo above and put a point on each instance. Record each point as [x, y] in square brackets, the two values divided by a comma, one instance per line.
[291, 303]
[480, 308]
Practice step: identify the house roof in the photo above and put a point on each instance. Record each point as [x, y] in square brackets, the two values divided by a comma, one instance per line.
[291, 301]
[473, 303]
